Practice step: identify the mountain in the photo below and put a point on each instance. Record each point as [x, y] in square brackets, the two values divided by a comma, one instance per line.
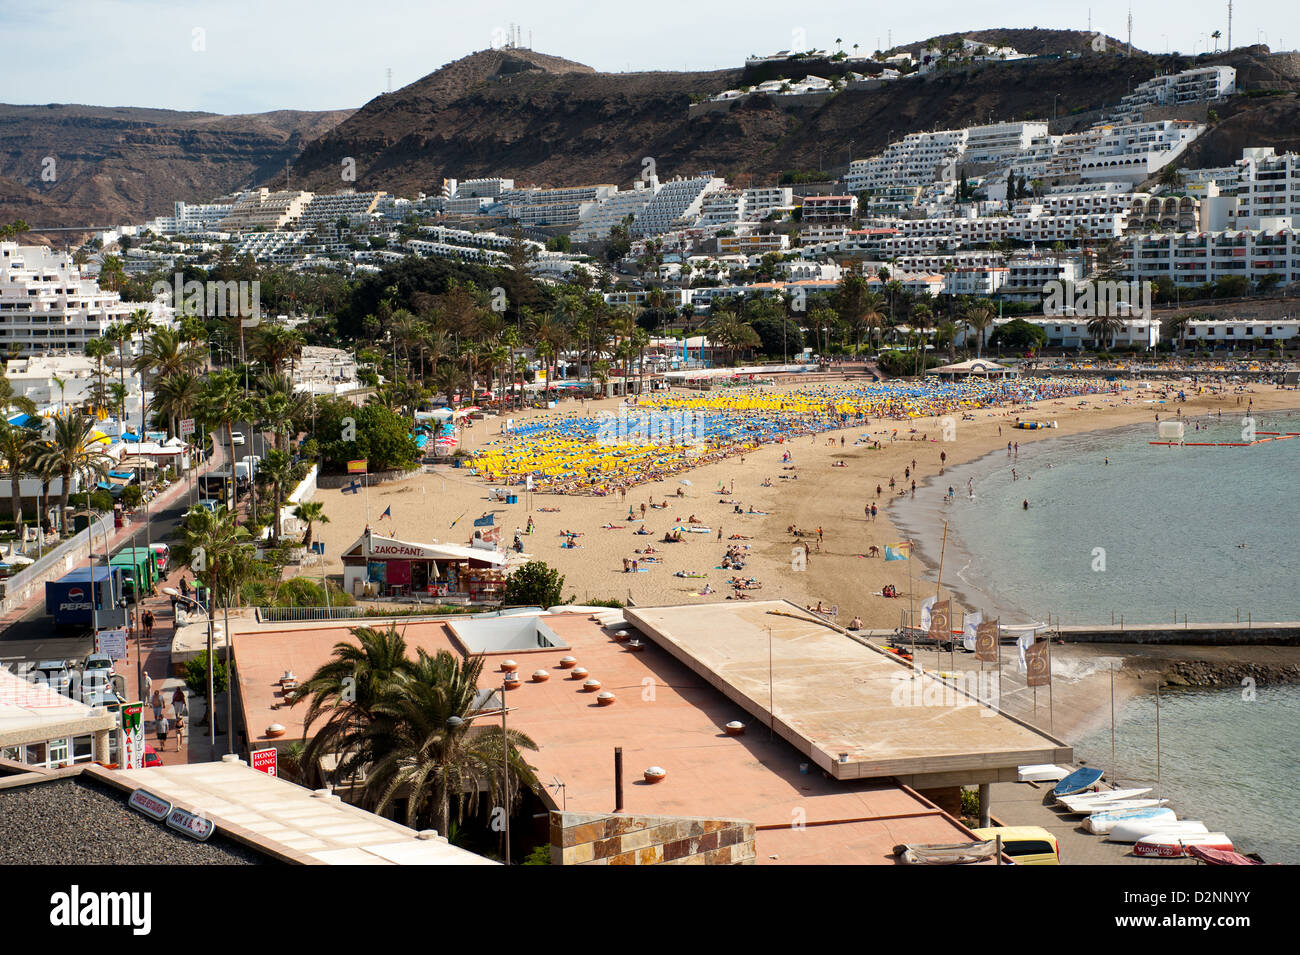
[545, 121]
[125, 164]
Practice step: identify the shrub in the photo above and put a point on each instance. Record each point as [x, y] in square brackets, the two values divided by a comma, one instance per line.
[534, 585]
[196, 675]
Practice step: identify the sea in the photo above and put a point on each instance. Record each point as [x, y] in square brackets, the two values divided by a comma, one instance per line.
[1121, 530]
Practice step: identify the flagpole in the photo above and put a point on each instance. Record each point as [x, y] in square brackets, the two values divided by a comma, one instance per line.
[911, 600]
[1051, 705]
[1112, 717]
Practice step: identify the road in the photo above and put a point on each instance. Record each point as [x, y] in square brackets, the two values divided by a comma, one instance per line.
[33, 637]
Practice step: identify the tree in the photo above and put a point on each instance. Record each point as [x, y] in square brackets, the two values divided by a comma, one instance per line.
[425, 747]
[16, 444]
[343, 692]
[310, 512]
[196, 678]
[74, 449]
[534, 585]
[979, 318]
[1018, 335]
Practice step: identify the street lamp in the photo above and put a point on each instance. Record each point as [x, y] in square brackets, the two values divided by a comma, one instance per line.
[456, 722]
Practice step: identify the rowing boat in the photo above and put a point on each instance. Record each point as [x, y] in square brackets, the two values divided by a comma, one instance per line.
[1100, 823]
[1135, 829]
[1088, 809]
[1078, 781]
[1174, 846]
[1104, 796]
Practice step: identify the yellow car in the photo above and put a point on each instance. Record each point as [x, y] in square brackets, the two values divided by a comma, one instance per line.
[1026, 845]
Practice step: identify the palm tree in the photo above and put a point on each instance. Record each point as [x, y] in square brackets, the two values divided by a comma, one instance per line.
[1103, 329]
[15, 454]
[223, 404]
[343, 693]
[277, 468]
[140, 323]
[427, 750]
[99, 349]
[119, 333]
[309, 512]
[175, 397]
[71, 450]
[10, 400]
[979, 318]
[214, 540]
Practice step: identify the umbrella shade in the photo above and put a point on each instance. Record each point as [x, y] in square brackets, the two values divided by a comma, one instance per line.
[138, 462]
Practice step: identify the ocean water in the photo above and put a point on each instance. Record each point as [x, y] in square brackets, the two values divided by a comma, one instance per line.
[1153, 533]
[1226, 760]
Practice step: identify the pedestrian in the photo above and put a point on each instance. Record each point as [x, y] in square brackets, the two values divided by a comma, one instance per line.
[163, 728]
[185, 587]
[179, 704]
[147, 619]
[180, 732]
[156, 702]
[148, 684]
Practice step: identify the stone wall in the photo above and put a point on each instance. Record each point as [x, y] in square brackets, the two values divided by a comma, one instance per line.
[593, 838]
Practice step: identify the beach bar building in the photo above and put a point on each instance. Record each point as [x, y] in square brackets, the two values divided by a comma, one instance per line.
[386, 567]
[975, 368]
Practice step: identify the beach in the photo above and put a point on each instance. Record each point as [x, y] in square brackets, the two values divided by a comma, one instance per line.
[440, 505]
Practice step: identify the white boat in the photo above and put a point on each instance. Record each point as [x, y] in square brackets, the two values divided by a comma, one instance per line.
[1131, 830]
[1042, 773]
[1106, 795]
[1174, 846]
[1088, 809]
[1102, 822]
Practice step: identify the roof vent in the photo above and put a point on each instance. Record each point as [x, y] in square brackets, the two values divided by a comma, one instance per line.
[540, 676]
[578, 673]
[427, 834]
[512, 680]
[568, 663]
[509, 666]
[636, 646]
[735, 728]
[591, 686]
[621, 636]
[274, 730]
[655, 774]
[605, 698]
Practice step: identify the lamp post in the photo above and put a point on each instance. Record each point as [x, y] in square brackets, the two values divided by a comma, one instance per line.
[456, 722]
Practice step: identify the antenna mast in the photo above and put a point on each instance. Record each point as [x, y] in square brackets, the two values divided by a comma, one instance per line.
[1229, 26]
[1130, 31]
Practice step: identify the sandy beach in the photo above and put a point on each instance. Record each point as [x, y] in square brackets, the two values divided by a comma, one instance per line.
[814, 495]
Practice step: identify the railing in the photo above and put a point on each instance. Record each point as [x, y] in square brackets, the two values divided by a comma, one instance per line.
[289, 614]
[65, 557]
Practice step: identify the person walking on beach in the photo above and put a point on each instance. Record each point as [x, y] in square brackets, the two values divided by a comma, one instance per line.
[873, 512]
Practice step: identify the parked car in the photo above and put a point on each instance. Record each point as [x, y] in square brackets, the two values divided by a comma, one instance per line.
[237, 438]
[98, 661]
[1026, 845]
[56, 674]
[151, 757]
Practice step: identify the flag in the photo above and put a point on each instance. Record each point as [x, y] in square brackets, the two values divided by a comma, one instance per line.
[986, 641]
[941, 620]
[357, 467]
[926, 604]
[528, 482]
[353, 488]
[970, 630]
[455, 522]
[894, 554]
[1039, 666]
[492, 535]
[1022, 644]
[487, 520]
[388, 512]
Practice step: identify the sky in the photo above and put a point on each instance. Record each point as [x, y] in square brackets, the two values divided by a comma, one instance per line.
[241, 56]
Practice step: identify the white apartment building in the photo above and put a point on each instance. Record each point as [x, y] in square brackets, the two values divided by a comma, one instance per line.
[1064, 332]
[1034, 225]
[444, 250]
[539, 208]
[1136, 151]
[46, 305]
[326, 211]
[999, 142]
[596, 218]
[754, 243]
[1026, 275]
[276, 247]
[1188, 258]
[188, 219]
[676, 203]
[58, 382]
[980, 281]
[476, 188]
[918, 159]
[1268, 187]
[1229, 332]
[481, 240]
[762, 201]
[724, 209]
[263, 209]
[801, 270]
[1204, 84]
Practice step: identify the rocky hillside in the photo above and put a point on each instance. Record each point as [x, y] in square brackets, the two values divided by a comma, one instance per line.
[113, 165]
[546, 121]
